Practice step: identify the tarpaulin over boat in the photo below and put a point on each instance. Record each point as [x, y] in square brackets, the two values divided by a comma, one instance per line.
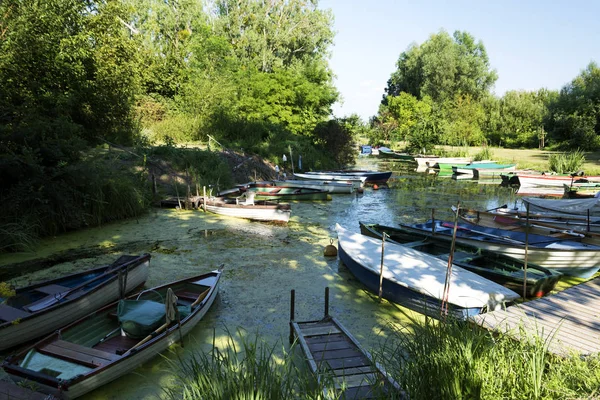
[139, 318]
[567, 206]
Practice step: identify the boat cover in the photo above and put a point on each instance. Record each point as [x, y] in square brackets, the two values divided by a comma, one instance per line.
[567, 206]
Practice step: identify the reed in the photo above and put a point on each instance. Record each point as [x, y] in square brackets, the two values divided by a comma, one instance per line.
[563, 163]
[485, 153]
[455, 360]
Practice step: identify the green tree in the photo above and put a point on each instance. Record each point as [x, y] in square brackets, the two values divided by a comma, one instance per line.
[408, 111]
[574, 118]
[442, 68]
[336, 139]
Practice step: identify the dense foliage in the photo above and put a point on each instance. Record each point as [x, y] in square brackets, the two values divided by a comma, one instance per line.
[75, 74]
[441, 94]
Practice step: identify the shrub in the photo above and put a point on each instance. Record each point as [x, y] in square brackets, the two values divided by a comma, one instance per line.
[563, 163]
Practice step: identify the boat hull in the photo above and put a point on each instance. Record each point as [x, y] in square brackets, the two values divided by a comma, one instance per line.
[43, 323]
[581, 262]
[265, 213]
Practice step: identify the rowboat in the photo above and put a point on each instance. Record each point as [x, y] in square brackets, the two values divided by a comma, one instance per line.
[114, 340]
[355, 180]
[535, 224]
[416, 280]
[288, 193]
[567, 256]
[42, 308]
[385, 152]
[579, 224]
[586, 207]
[346, 174]
[244, 206]
[332, 187]
[334, 355]
[432, 161]
[581, 191]
[506, 271]
[472, 169]
[542, 184]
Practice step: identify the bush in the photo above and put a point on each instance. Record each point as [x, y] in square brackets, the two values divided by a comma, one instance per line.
[563, 163]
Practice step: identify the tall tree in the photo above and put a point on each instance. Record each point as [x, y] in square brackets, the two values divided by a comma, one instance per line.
[574, 118]
[442, 68]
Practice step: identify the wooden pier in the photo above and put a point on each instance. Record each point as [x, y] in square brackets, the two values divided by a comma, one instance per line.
[339, 361]
[570, 320]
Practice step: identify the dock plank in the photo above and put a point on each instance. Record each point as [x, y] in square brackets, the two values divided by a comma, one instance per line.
[571, 319]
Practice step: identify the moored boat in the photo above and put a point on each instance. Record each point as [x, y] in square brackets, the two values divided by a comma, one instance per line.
[506, 271]
[346, 174]
[385, 152]
[42, 308]
[570, 257]
[433, 161]
[288, 193]
[582, 191]
[416, 280]
[114, 340]
[471, 168]
[246, 207]
[336, 187]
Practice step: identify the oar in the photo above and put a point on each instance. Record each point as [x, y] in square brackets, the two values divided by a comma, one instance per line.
[497, 208]
[461, 228]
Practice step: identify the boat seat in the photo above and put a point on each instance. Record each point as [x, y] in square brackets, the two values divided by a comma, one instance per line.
[189, 296]
[52, 289]
[77, 353]
[8, 313]
[247, 199]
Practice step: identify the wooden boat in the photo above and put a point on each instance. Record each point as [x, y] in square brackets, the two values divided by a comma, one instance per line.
[335, 356]
[506, 271]
[355, 180]
[587, 207]
[332, 187]
[347, 174]
[416, 280]
[581, 191]
[570, 222]
[432, 161]
[518, 222]
[531, 184]
[569, 257]
[288, 193]
[471, 168]
[42, 308]
[114, 340]
[244, 206]
[385, 152]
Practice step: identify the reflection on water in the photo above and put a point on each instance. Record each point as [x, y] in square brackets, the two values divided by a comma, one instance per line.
[263, 262]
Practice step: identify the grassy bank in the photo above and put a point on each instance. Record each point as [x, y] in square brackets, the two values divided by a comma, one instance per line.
[430, 360]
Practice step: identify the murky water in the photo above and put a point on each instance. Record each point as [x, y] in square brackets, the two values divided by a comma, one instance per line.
[263, 262]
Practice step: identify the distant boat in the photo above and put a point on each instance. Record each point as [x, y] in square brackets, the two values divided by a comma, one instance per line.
[246, 207]
[337, 187]
[288, 193]
[42, 308]
[113, 341]
[569, 257]
[473, 169]
[416, 280]
[432, 161]
[365, 150]
[532, 184]
[581, 191]
[506, 271]
[341, 175]
[385, 152]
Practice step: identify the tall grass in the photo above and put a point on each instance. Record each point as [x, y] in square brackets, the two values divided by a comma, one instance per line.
[484, 154]
[455, 360]
[563, 163]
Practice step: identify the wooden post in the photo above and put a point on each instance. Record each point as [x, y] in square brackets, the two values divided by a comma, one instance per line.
[204, 198]
[327, 302]
[526, 251]
[292, 301]
[433, 220]
[588, 220]
[444, 309]
[154, 189]
[381, 268]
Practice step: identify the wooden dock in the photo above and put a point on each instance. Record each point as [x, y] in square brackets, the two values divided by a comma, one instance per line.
[569, 319]
[339, 361]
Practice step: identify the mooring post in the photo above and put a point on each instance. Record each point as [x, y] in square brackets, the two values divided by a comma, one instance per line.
[327, 302]
[381, 266]
[292, 301]
[433, 220]
[204, 197]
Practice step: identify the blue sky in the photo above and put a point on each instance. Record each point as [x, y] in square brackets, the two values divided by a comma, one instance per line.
[531, 44]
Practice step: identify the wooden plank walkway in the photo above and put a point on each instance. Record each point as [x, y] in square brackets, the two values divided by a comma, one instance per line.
[569, 319]
[339, 361]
